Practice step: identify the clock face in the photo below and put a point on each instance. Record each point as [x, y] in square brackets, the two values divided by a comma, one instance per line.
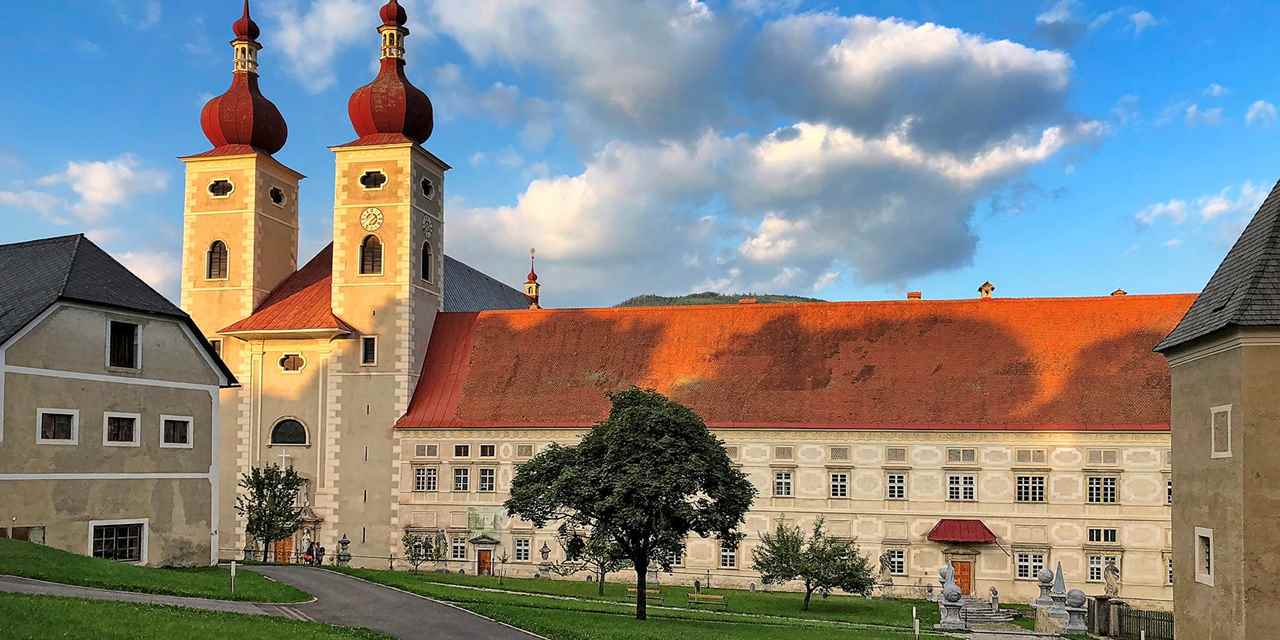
[371, 219]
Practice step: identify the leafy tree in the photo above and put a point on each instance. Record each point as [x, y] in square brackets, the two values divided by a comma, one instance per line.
[417, 549]
[642, 479]
[266, 501]
[597, 553]
[821, 561]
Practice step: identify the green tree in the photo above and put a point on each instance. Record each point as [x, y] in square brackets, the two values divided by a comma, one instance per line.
[596, 553]
[822, 562]
[643, 478]
[417, 549]
[266, 501]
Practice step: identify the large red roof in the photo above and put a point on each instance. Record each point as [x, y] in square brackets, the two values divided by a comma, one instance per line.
[1010, 364]
[303, 302]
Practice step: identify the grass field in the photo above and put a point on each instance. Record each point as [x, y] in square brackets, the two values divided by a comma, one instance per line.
[45, 617]
[46, 563]
[593, 619]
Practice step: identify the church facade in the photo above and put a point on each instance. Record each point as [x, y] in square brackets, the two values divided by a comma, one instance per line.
[999, 435]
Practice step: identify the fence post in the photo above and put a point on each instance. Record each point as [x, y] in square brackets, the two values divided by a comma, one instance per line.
[391, 563]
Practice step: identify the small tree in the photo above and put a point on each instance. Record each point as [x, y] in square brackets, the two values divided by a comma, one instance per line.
[597, 553]
[820, 561]
[266, 501]
[642, 479]
[417, 549]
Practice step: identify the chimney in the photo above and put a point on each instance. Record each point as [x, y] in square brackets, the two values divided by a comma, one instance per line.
[986, 289]
[915, 295]
[1119, 292]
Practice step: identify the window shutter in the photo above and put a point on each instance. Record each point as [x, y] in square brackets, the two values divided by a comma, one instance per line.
[896, 454]
[783, 453]
[839, 454]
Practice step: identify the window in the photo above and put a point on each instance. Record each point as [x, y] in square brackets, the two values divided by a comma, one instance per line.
[838, 454]
[1029, 456]
[896, 484]
[175, 432]
[57, 426]
[1099, 535]
[1220, 423]
[677, 558]
[782, 484]
[783, 453]
[1103, 456]
[426, 450]
[25, 534]
[124, 345]
[216, 343]
[428, 188]
[216, 262]
[524, 451]
[373, 179]
[488, 480]
[897, 562]
[488, 450]
[895, 454]
[123, 542]
[221, 188]
[840, 484]
[277, 196]
[292, 362]
[1204, 556]
[1030, 489]
[962, 487]
[1097, 566]
[120, 429]
[461, 479]
[731, 452]
[1028, 564]
[1102, 489]
[461, 450]
[371, 256]
[458, 548]
[522, 546]
[368, 351]
[289, 432]
[1168, 568]
[425, 478]
[728, 556]
[426, 261]
[962, 456]
[1168, 490]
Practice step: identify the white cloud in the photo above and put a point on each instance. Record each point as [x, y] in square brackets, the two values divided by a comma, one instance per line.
[1062, 24]
[1194, 115]
[43, 203]
[1173, 243]
[311, 39]
[104, 184]
[1140, 21]
[1216, 90]
[158, 269]
[1126, 110]
[1175, 210]
[765, 7]
[1247, 200]
[1261, 112]
[941, 87]
[139, 14]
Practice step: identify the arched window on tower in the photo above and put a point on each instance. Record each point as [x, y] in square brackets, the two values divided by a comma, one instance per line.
[289, 431]
[216, 267]
[371, 256]
[426, 261]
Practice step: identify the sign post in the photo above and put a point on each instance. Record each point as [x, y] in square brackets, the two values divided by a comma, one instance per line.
[233, 576]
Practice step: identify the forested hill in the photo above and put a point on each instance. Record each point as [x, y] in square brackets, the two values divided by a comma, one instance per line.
[710, 297]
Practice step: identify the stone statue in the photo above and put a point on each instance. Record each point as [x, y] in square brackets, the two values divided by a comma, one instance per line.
[1111, 573]
[886, 568]
[949, 604]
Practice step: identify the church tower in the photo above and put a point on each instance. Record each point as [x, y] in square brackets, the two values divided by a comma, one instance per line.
[240, 240]
[388, 281]
[240, 223]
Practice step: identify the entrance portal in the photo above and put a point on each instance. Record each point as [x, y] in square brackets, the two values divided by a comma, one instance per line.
[484, 562]
[964, 575]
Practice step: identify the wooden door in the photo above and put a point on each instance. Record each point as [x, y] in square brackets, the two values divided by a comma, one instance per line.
[484, 562]
[284, 550]
[964, 575]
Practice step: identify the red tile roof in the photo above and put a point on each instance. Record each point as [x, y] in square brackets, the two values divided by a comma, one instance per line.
[1010, 364]
[303, 302]
[949, 530]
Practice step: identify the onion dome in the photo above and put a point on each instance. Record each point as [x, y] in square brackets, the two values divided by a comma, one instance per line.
[242, 119]
[390, 109]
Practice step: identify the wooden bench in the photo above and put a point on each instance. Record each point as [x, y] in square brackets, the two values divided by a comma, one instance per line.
[649, 594]
[708, 600]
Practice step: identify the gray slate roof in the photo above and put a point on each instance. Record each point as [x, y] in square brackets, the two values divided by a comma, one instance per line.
[36, 274]
[1245, 290]
[467, 289]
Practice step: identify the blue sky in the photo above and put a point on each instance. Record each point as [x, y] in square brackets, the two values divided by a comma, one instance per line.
[847, 150]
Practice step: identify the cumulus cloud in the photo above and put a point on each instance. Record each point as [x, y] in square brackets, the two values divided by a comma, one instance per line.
[1175, 210]
[1248, 197]
[1215, 90]
[1140, 21]
[1222, 215]
[101, 185]
[940, 87]
[312, 38]
[138, 14]
[1194, 115]
[43, 203]
[158, 269]
[1261, 112]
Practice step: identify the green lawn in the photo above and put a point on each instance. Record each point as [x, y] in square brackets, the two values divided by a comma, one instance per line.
[46, 563]
[592, 619]
[48, 617]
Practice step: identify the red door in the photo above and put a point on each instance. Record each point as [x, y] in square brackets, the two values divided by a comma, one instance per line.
[964, 575]
[484, 562]
[284, 550]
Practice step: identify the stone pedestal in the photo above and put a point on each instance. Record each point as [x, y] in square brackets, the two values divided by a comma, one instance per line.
[951, 620]
[1046, 585]
[1117, 610]
[1076, 612]
[1051, 620]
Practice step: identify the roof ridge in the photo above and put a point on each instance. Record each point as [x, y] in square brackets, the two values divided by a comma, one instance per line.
[71, 264]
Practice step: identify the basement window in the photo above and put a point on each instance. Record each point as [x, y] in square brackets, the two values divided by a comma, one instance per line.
[373, 179]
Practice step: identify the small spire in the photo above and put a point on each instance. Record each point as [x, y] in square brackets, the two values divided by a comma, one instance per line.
[531, 286]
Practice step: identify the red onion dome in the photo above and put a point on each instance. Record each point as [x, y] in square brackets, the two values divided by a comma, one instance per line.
[393, 15]
[533, 275]
[243, 116]
[245, 28]
[391, 107]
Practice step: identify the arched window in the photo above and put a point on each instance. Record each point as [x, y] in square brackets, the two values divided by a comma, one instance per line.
[371, 256]
[289, 431]
[426, 261]
[216, 268]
